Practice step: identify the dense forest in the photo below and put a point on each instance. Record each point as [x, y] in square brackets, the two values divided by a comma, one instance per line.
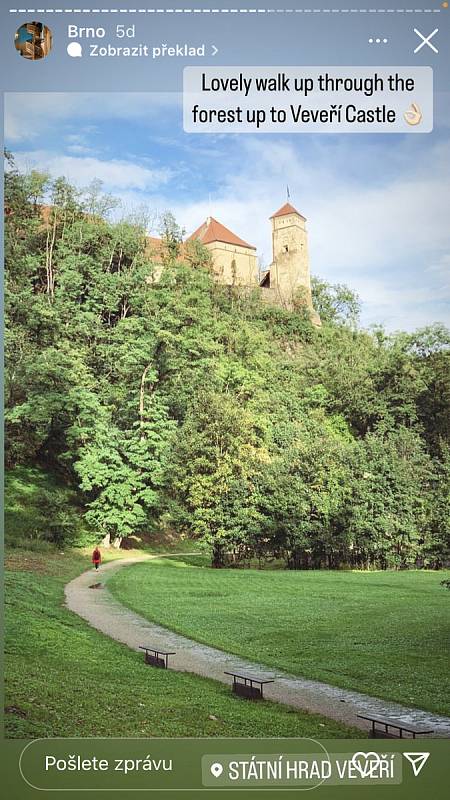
[141, 402]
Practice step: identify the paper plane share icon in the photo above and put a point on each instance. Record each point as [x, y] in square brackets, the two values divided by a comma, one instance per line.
[417, 761]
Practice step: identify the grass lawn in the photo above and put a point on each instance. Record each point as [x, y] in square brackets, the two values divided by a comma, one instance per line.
[383, 633]
[63, 678]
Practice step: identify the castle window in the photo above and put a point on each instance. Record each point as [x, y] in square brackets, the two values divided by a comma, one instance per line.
[265, 280]
[286, 248]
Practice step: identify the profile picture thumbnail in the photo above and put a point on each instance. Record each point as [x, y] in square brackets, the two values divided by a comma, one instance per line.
[33, 40]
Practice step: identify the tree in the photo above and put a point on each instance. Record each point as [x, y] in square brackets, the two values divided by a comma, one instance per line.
[212, 489]
[391, 486]
[335, 303]
[172, 236]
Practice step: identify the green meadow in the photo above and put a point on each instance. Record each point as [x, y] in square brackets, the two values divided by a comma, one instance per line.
[382, 633]
[63, 678]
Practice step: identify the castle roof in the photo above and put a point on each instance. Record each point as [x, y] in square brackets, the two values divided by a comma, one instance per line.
[287, 209]
[213, 231]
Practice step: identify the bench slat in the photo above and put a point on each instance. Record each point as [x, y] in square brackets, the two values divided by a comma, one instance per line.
[249, 678]
[156, 650]
[396, 723]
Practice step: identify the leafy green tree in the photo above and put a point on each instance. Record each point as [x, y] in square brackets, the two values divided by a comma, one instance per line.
[212, 490]
[391, 483]
[336, 304]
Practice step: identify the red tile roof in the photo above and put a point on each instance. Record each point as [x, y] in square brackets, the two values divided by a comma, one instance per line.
[213, 231]
[153, 241]
[156, 247]
[287, 209]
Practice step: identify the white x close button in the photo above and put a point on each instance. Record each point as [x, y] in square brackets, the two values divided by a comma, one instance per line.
[426, 40]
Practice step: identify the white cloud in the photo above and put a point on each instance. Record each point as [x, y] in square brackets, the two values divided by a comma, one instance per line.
[78, 143]
[440, 269]
[116, 174]
[402, 307]
[386, 235]
[79, 149]
[352, 223]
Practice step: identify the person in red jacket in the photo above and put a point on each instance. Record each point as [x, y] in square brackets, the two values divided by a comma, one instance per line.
[96, 558]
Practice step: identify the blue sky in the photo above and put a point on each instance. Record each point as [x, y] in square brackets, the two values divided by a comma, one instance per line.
[377, 205]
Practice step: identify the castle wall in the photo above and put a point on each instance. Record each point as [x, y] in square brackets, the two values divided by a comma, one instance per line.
[234, 265]
[270, 296]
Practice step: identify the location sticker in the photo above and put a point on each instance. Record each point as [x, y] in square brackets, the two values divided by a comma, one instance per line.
[216, 769]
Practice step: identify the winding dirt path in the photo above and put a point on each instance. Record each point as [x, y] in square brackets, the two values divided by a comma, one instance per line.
[101, 610]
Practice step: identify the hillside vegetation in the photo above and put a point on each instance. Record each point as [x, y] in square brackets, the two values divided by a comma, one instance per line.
[179, 404]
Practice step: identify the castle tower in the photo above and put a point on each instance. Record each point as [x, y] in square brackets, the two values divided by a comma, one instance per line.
[289, 271]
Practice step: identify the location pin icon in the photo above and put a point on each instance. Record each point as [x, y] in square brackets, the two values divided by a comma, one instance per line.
[216, 770]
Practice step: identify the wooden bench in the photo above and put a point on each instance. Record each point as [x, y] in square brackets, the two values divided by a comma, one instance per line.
[387, 722]
[248, 686]
[156, 657]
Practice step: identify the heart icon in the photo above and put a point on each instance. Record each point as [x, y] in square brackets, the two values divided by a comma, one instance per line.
[371, 762]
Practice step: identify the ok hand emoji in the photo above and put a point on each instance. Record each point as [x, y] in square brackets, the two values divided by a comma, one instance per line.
[414, 115]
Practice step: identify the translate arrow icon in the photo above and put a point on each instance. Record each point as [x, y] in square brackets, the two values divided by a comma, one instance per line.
[417, 761]
[214, 50]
